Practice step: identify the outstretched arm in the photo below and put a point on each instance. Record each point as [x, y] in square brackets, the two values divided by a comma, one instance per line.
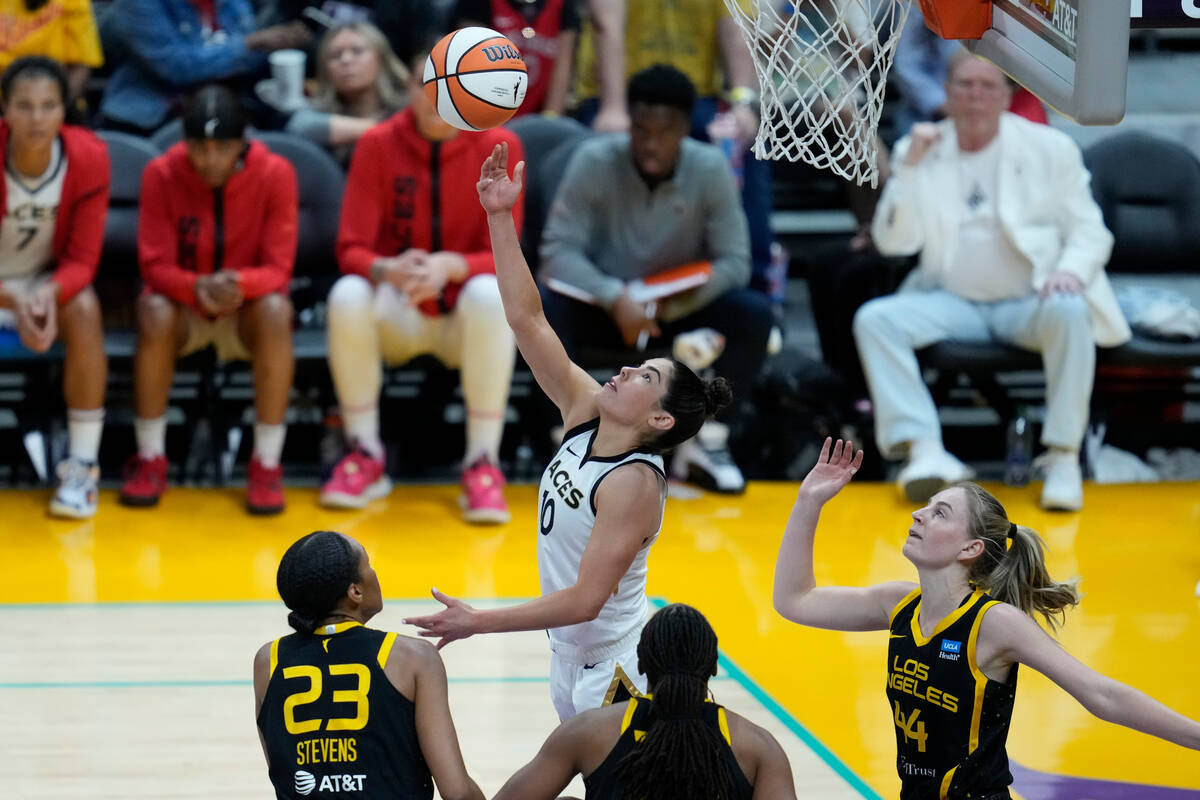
[796, 594]
[628, 512]
[1007, 635]
[553, 767]
[567, 386]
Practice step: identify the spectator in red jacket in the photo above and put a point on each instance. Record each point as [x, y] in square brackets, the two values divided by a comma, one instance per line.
[216, 243]
[54, 198]
[419, 278]
[545, 30]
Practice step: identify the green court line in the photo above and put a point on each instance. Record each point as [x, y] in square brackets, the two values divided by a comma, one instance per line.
[788, 720]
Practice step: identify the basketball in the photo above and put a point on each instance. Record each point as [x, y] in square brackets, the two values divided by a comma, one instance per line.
[475, 78]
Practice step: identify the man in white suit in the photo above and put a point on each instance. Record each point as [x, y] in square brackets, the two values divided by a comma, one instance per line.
[1013, 249]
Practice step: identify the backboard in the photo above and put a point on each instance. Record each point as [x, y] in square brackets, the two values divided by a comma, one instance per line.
[1073, 54]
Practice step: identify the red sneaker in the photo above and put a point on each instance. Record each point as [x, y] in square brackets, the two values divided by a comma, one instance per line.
[145, 481]
[357, 480]
[264, 488]
[482, 500]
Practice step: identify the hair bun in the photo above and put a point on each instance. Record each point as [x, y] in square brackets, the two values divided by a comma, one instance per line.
[301, 623]
[717, 395]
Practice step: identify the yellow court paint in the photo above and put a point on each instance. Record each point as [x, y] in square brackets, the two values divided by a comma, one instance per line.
[1136, 547]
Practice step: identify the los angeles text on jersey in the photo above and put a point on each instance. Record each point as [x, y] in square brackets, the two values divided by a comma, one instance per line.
[326, 751]
[911, 677]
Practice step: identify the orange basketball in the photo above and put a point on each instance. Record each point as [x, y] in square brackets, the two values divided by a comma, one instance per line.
[475, 78]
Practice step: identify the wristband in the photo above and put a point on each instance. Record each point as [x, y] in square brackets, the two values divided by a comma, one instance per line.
[743, 96]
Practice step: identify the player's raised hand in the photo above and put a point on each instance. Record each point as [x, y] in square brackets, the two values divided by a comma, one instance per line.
[835, 467]
[498, 192]
[455, 621]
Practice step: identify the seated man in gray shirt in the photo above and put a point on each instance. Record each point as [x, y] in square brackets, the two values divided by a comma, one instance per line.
[633, 205]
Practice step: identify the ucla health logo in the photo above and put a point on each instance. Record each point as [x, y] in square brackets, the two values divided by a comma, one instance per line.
[950, 649]
[305, 782]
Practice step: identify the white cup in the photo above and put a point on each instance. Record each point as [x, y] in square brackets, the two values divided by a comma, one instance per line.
[287, 72]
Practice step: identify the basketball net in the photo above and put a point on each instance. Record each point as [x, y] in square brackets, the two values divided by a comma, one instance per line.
[822, 66]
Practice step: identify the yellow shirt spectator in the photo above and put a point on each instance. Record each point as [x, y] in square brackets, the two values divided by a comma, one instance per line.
[682, 33]
[64, 30]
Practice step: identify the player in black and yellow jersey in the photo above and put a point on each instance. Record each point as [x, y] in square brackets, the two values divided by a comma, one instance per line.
[344, 710]
[957, 636]
[672, 744]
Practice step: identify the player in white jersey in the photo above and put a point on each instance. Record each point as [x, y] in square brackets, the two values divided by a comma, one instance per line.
[601, 498]
[53, 201]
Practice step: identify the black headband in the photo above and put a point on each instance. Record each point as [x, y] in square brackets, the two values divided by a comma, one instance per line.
[1012, 530]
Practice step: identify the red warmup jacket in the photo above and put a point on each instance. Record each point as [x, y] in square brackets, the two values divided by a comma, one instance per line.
[404, 191]
[79, 228]
[539, 51]
[186, 229]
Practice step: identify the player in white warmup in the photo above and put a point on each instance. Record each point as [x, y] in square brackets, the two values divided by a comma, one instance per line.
[600, 499]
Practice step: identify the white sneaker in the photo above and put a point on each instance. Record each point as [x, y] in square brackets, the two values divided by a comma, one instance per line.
[77, 489]
[925, 475]
[1063, 489]
[705, 461]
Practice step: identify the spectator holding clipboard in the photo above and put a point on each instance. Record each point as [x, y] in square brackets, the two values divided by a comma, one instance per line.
[637, 205]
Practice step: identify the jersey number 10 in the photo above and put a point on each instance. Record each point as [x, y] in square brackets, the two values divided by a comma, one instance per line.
[357, 695]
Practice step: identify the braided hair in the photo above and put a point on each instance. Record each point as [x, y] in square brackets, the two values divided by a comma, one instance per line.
[314, 575]
[681, 757]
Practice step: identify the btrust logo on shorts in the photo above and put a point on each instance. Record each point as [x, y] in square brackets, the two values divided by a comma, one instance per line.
[306, 782]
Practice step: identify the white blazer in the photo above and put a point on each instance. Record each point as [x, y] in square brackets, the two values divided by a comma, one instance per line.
[1044, 205]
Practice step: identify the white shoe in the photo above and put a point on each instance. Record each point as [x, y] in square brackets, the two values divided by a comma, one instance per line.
[77, 491]
[1063, 489]
[705, 461]
[927, 474]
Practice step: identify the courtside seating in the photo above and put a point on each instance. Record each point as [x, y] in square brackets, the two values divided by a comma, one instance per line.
[1149, 192]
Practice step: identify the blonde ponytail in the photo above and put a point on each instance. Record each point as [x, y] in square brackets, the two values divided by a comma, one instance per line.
[1012, 568]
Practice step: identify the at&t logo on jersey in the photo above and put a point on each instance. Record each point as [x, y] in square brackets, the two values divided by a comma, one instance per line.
[950, 650]
[306, 782]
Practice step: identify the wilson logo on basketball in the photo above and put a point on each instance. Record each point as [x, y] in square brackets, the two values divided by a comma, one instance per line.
[305, 782]
[496, 52]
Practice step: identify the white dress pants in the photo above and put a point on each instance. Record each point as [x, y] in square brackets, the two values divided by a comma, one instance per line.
[888, 331]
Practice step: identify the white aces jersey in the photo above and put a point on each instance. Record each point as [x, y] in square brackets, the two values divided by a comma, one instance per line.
[27, 226]
[566, 514]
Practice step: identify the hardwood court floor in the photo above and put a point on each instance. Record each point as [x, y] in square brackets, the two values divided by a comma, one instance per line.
[124, 664]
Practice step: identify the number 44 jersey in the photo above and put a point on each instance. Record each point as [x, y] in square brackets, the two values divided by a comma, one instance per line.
[334, 725]
[951, 719]
[566, 514]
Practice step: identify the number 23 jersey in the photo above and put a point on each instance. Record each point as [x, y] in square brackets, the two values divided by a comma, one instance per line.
[566, 514]
[334, 725]
[951, 719]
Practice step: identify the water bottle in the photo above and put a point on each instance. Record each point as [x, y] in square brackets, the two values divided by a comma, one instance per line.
[777, 275]
[1019, 450]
